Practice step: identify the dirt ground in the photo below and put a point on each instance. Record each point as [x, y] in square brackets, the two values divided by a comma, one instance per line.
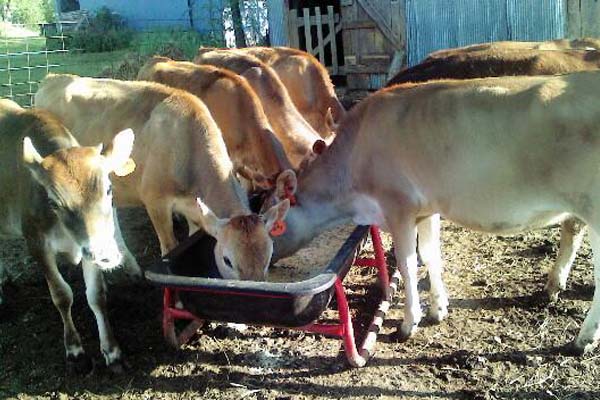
[500, 340]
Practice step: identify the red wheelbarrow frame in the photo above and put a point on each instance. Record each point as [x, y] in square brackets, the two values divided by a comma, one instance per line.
[357, 355]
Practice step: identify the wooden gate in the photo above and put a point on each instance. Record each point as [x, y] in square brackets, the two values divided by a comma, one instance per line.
[311, 30]
[374, 41]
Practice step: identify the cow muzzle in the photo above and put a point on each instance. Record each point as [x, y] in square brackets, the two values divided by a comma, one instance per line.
[106, 256]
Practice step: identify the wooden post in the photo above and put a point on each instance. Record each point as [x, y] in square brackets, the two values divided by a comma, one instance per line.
[293, 29]
[307, 30]
[334, 56]
[320, 45]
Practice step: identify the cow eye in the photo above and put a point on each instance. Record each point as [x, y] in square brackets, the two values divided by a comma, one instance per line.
[227, 262]
[109, 191]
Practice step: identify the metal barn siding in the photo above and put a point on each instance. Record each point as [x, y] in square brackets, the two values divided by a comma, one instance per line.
[433, 25]
[278, 34]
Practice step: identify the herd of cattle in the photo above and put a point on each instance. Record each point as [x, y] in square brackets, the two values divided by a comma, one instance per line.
[501, 155]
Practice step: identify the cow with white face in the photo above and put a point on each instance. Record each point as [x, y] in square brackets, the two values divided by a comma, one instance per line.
[57, 195]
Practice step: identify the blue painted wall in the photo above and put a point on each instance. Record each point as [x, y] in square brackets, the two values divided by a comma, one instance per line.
[148, 14]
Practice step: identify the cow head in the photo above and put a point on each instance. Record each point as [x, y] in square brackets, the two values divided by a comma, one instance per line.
[244, 246]
[78, 193]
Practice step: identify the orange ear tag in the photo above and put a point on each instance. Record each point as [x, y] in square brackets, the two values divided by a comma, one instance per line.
[278, 228]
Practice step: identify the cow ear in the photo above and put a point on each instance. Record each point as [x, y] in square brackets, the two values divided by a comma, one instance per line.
[276, 213]
[210, 222]
[286, 184]
[256, 178]
[117, 155]
[330, 121]
[33, 160]
[30, 154]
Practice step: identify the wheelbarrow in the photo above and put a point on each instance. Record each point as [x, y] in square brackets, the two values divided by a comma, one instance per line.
[182, 274]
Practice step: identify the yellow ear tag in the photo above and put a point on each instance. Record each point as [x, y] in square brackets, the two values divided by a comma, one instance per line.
[125, 169]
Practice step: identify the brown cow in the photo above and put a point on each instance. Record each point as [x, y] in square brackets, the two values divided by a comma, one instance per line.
[498, 59]
[300, 141]
[560, 44]
[234, 106]
[57, 195]
[308, 84]
[180, 157]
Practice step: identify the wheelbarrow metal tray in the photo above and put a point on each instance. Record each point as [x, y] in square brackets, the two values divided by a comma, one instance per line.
[289, 304]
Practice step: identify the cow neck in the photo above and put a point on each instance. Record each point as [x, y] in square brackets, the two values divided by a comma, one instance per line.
[325, 196]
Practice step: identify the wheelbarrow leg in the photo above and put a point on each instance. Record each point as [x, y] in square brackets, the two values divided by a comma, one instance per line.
[170, 314]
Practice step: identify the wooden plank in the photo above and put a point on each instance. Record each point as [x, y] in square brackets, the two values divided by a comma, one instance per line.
[398, 19]
[320, 46]
[332, 32]
[293, 29]
[366, 69]
[307, 30]
[313, 19]
[590, 15]
[574, 27]
[382, 22]
[358, 25]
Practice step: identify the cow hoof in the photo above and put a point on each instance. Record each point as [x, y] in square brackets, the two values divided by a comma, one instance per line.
[118, 367]
[79, 365]
[404, 333]
[552, 293]
[437, 314]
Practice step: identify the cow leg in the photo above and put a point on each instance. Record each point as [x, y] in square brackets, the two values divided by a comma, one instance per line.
[404, 233]
[62, 297]
[162, 220]
[571, 236]
[590, 330]
[430, 251]
[95, 291]
[130, 264]
[192, 227]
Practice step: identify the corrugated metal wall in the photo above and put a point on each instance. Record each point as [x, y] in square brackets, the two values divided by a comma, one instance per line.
[434, 25]
[277, 30]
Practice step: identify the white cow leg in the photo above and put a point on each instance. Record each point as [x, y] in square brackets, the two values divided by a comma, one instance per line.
[130, 264]
[590, 330]
[405, 243]
[95, 290]
[571, 236]
[430, 251]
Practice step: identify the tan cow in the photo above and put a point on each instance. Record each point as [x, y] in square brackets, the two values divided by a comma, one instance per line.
[57, 195]
[234, 106]
[500, 59]
[180, 157]
[300, 141]
[499, 155]
[308, 84]
[517, 58]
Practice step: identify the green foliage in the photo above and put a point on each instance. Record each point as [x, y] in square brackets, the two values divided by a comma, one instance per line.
[107, 31]
[30, 11]
[174, 43]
